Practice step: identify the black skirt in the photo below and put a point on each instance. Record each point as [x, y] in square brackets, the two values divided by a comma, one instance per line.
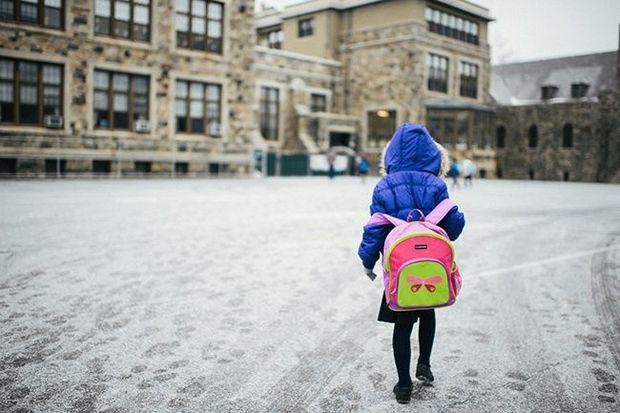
[388, 315]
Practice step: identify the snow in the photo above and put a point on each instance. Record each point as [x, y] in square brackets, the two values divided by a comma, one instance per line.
[247, 295]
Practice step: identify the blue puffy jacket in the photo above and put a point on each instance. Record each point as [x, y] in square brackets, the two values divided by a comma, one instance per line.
[412, 162]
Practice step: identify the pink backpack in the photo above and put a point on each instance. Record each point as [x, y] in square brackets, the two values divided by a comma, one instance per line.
[419, 271]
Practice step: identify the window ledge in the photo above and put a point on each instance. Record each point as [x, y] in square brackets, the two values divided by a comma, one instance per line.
[196, 137]
[200, 54]
[118, 133]
[34, 28]
[119, 41]
[35, 130]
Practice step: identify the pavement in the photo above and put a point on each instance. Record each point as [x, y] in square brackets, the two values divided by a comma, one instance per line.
[247, 296]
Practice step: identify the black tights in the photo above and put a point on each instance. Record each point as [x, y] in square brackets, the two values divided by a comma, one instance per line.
[401, 343]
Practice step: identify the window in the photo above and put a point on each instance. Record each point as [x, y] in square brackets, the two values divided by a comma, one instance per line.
[29, 91]
[141, 167]
[452, 26]
[567, 136]
[532, 136]
[501, 136]
[548, 92]
[437, 73]
[469, 79]
[269, 112]
[45, 13]
[318, 103]
[8, 166]
[120, 99]
[275, 38]
[181, 168]
[55, 167]
[579, 90]
[305, 27]
[381, 126]
[102, 167]
[127, 19]
[199, 25]
[198, 108]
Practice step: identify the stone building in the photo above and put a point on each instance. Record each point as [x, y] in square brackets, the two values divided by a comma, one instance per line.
[204, 86]
[558, 119]
[348, 72]
[126, 86]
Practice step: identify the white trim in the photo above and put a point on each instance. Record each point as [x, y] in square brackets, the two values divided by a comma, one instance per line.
[282, 92]
[297, 56]
[192, 77]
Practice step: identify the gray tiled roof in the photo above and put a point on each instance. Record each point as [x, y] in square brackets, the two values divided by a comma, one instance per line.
[521, 83]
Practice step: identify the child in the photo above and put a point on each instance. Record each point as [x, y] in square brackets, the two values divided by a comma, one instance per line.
[362, 168]
[413, 163]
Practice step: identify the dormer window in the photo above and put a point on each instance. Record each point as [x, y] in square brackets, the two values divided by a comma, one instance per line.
[579, 90]
[549, 92]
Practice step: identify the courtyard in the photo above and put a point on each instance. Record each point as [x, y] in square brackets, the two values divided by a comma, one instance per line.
[246, 295]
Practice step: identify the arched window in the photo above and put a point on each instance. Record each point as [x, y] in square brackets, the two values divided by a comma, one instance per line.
[500, 134]
[567, 136]
[532, 135]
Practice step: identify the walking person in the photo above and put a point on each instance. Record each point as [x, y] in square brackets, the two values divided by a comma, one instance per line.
[331, 160]
[469, 169]
[413, 164]
[362, 168]
[454, 172]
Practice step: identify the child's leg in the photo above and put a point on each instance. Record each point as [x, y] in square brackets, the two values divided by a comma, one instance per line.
[401, 344]
[426, 336]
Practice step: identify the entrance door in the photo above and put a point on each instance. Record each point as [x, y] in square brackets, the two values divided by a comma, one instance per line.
[339, 139]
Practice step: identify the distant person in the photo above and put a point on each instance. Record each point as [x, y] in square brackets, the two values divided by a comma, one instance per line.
[454, 172]
[362, 168]
[331, 160]
[469, 169]
[413, 164]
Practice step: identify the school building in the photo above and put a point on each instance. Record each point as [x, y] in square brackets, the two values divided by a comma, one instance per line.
[122, 87]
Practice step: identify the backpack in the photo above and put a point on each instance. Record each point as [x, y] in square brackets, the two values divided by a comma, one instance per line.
[419, 271]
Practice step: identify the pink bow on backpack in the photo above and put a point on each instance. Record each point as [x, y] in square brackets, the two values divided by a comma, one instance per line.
[430, 283]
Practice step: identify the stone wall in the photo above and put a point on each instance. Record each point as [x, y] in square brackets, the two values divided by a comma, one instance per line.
[593, 156]
[81, 52]
[297, 77]
[385, 68]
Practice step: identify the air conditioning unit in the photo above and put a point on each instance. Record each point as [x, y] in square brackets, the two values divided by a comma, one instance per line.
[53, 121]
[142, 126]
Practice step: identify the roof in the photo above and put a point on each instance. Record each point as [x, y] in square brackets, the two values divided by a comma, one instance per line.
[271, 17]
[521, 83]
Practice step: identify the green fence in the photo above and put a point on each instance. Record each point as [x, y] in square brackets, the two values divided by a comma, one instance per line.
[298, 165]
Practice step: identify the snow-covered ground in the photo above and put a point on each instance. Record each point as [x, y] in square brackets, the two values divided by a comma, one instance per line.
[247, 295]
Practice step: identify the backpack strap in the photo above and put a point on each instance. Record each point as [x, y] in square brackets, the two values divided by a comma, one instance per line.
[440, 211]
[379, 218]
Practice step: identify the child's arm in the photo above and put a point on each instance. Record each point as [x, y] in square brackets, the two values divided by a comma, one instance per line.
[374, 235]
[454, 221]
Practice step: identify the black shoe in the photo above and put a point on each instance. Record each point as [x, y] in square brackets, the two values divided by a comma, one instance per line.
[424, 374]
[403, 394]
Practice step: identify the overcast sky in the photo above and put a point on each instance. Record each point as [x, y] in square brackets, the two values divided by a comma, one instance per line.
[536, 29]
